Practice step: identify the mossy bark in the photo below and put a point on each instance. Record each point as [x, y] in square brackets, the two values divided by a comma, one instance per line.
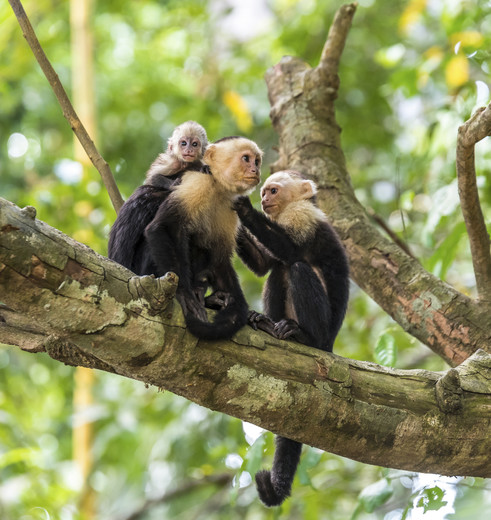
[85, 310]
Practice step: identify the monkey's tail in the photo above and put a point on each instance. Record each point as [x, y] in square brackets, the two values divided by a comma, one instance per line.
[275, 486]
[225, 324]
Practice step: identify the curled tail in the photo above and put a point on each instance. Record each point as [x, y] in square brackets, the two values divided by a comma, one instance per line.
[225, 324]
[275, 486]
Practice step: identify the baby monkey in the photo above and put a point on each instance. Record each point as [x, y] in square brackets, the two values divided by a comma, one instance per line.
[127, 242]
[185, 149]
[306, 294]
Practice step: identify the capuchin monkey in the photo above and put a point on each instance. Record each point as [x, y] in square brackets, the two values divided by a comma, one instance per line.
[193, 234]
[185, 149]
[127, 243]
[305, 295]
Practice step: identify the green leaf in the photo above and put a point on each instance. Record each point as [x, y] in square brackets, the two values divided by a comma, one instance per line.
[375, 495]
[432, 499]
[254, 457]
[386, 350]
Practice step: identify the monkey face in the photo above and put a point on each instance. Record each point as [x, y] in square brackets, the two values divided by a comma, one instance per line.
[284, 187]
[236, 164]
[189, 148]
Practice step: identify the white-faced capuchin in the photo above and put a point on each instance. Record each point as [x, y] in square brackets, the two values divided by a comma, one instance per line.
[127, 243]
[193, 234]
[305, 295]
[185, 149]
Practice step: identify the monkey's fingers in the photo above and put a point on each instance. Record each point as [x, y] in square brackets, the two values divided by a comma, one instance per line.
[285, 329]
[190, 305]
[218, 300]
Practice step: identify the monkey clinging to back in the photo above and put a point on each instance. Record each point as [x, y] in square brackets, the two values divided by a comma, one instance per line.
[185, 149]
[127, 243]
[307, 291]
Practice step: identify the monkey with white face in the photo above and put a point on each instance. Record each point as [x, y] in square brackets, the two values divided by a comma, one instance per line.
[306, 294]
[127, 243]
[193, 234]
[185, 149]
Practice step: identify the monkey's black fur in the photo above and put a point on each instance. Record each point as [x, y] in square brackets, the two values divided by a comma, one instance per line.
[319, 306]
[149, 237]
[127, 243]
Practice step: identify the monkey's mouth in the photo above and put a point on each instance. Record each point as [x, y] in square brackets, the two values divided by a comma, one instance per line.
[267, 208]
[251, 178]
[188, 157]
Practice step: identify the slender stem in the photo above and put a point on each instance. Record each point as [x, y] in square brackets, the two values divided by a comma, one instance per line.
[66, 106]
[470, 133]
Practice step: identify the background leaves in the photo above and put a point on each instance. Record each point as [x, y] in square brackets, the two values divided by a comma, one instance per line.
[411, 73]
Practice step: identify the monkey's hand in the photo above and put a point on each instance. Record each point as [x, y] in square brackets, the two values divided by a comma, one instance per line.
[259, 321]
[242, 205]
[191, 305]
[219, 300]
[286, 328]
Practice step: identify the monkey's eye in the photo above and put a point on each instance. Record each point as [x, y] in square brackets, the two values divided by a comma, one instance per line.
[257, 162]
[274, 191]
[195, 143]
[246, 158]
[183, 143]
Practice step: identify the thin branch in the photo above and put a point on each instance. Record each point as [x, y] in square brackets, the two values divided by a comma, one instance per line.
[470, 133]
[397, 240]
[333, 48]
[66, 106]
[216, 480]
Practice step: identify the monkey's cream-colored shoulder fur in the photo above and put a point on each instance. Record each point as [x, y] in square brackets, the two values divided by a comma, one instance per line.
[207, 210]
[300, 219]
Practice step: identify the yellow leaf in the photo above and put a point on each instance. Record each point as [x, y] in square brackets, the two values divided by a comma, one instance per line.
[83, 208]
[239, 109]
[411, 14]
[457, 71]
[86, 236]
[472, 39]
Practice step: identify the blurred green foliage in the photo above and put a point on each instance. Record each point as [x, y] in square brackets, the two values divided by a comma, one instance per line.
[411, 73]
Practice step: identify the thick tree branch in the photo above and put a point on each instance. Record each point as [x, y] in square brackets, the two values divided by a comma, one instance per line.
[302, 112]
[470, 133]
[95, 313]
[66, 106]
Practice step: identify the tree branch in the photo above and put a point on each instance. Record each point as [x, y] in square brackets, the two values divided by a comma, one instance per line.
[95, 313]
[66, 106]
[470, 133]
[303, 115]
[220, 480]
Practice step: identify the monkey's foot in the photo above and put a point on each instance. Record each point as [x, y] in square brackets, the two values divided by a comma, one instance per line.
[259, 321]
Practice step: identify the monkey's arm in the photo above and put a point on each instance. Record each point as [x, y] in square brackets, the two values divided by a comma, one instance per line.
[166, 164]
[312, 307]
[127, 231]
[272, 236]
[256, 257]
[169, 246]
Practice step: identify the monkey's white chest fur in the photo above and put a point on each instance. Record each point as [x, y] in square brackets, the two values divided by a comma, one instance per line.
[208, 212]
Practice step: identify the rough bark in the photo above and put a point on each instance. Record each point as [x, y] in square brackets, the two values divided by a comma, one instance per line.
[302, 111]
[470, 133]
[86, 310]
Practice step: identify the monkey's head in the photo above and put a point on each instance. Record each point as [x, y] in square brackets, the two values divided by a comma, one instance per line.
[188, 142]
[235, 163]
[282, 188]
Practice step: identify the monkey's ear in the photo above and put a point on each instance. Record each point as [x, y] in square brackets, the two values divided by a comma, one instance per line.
[308, 189]
[210, 153]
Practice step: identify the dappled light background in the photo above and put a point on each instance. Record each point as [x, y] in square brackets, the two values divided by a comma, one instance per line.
[411, 73]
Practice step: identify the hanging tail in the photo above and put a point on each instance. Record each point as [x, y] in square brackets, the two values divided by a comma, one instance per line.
[275, 486]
